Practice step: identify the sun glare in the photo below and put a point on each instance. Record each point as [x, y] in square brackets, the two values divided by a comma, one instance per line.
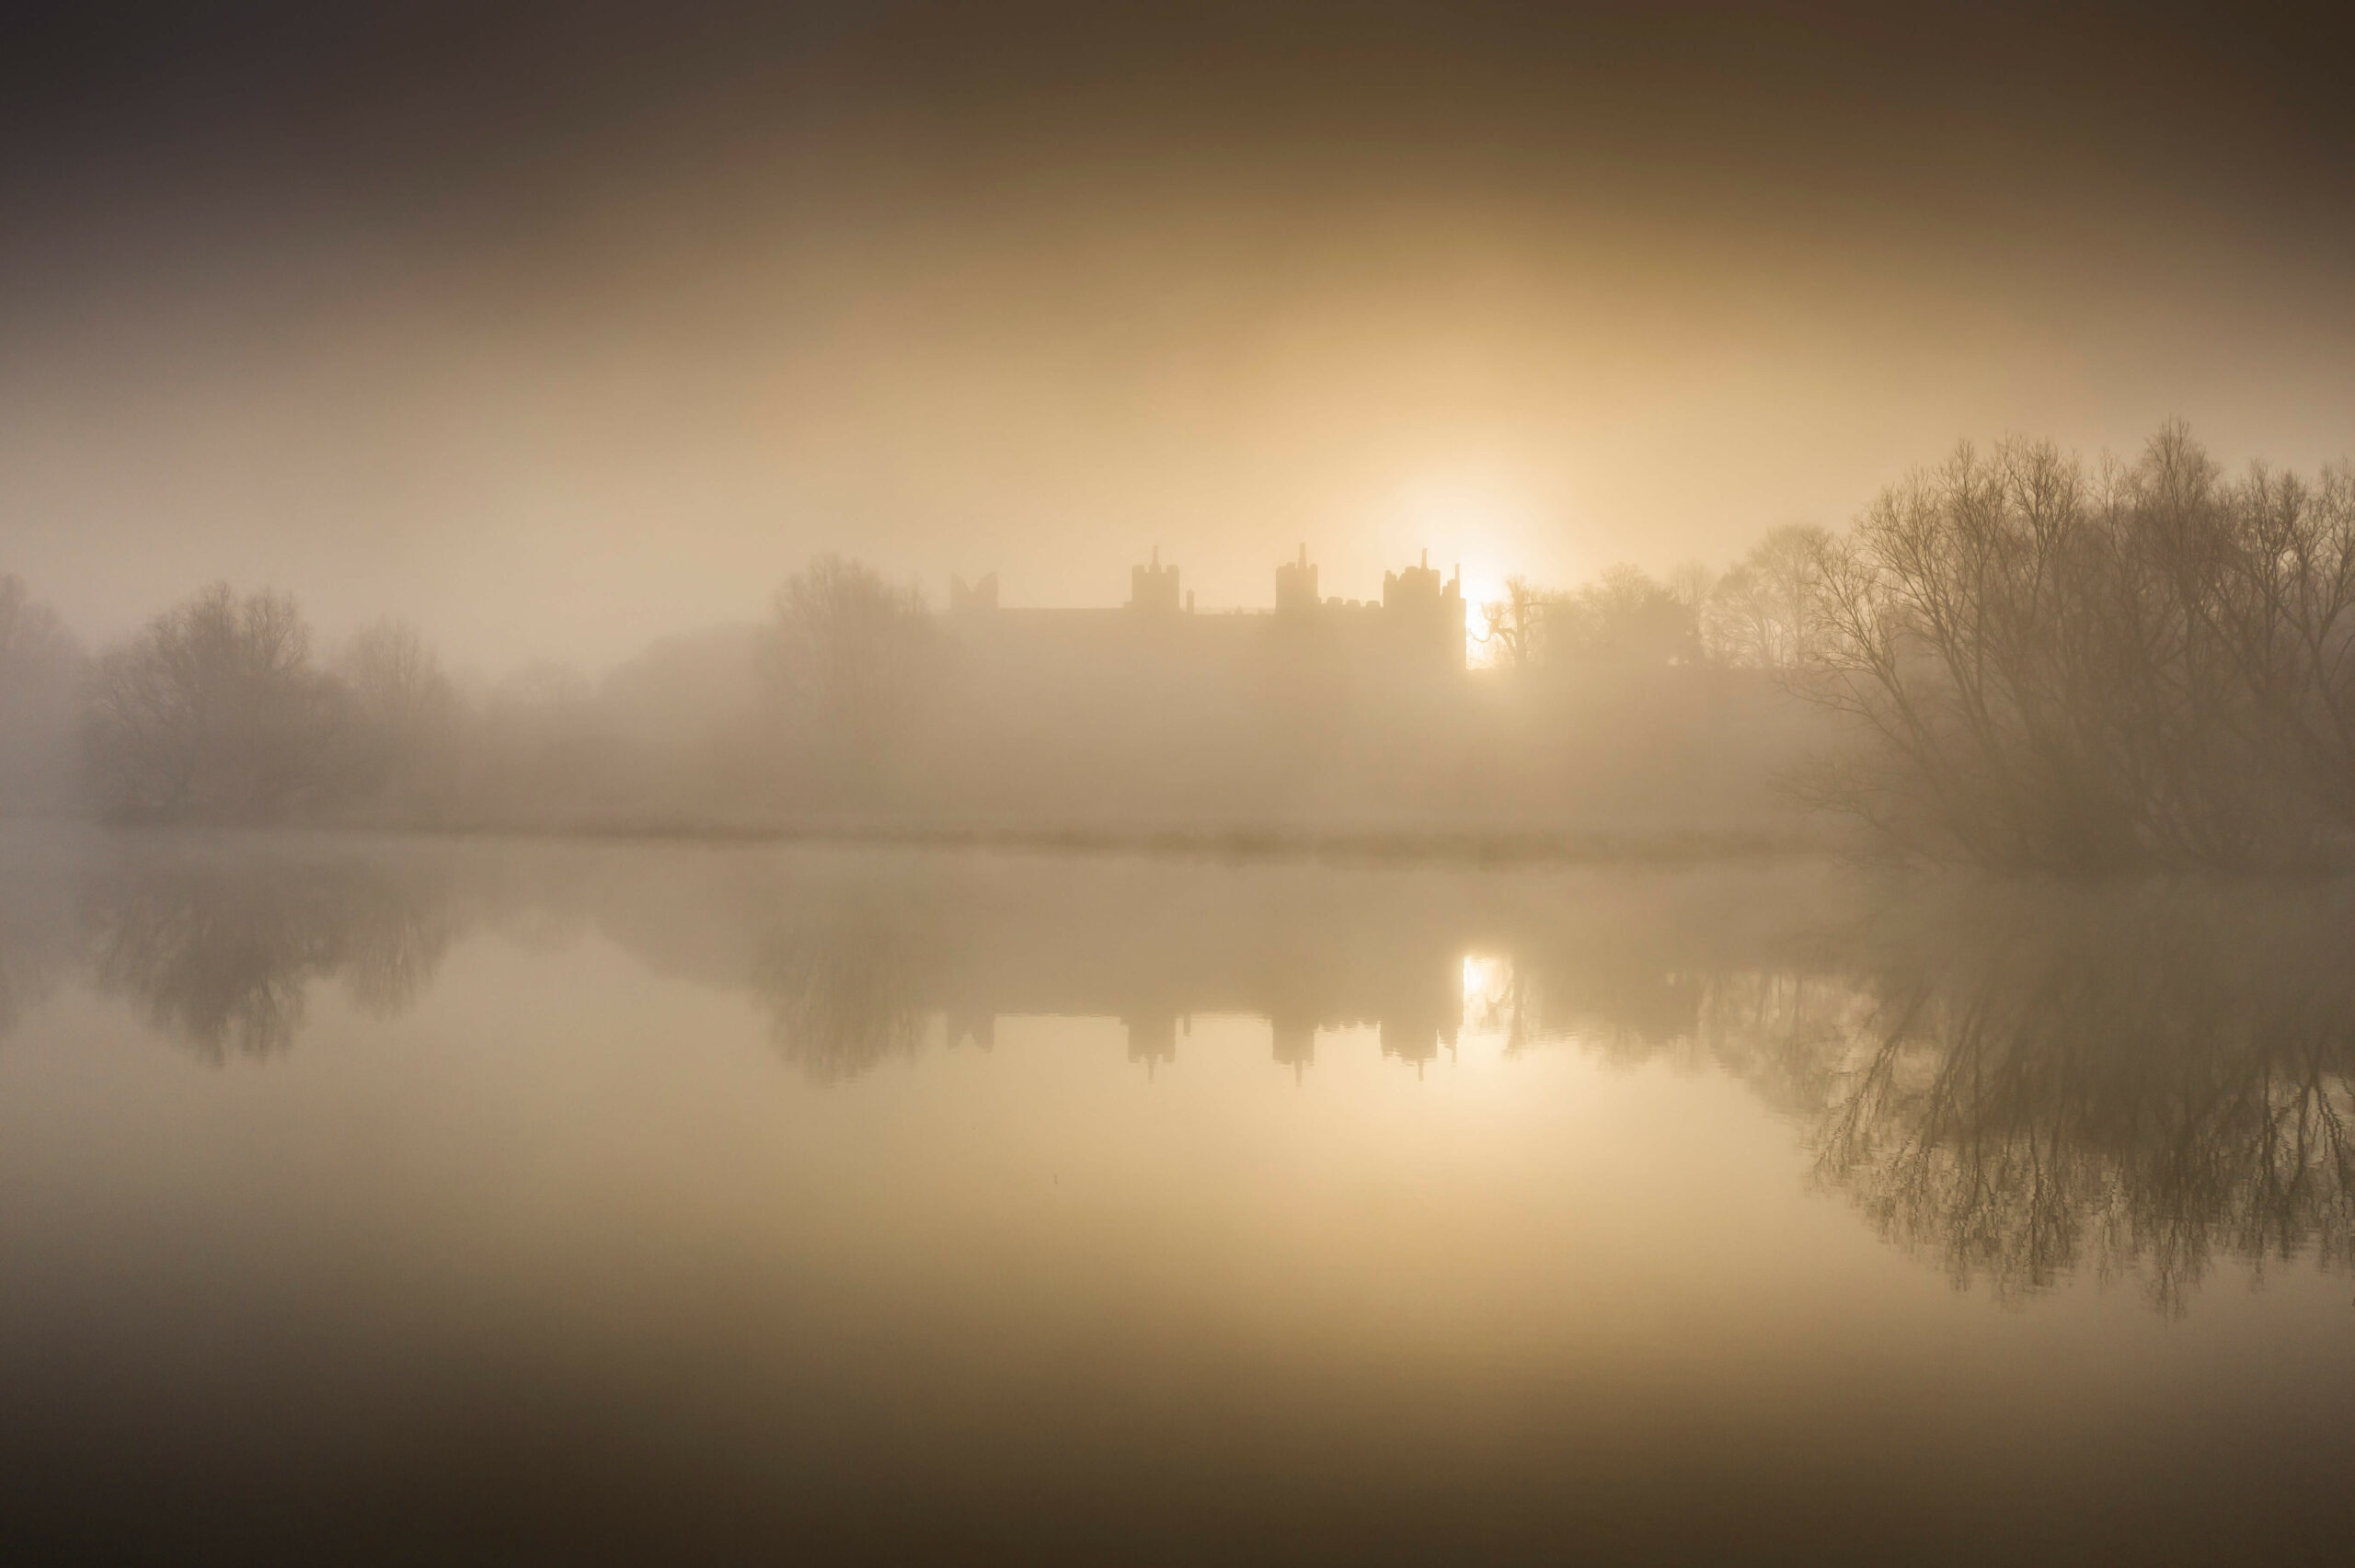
[1471, 521]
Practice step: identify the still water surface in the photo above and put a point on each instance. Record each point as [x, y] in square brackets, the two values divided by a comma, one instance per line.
[448, 1201]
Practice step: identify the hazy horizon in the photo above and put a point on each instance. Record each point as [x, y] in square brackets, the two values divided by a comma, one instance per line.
[560, 338]
[1747, 961]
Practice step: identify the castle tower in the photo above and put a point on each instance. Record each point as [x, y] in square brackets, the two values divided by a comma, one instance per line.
[1154, 588]
[1426, 615]
[1296, 585]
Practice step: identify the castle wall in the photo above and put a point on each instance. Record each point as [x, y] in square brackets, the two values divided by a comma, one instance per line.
[1416, 629]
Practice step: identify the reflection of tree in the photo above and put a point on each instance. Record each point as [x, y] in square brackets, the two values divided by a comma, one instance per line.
[1785, 1032]
[2017, 1081]
[222, 952]
[844, 987]
[396, 929]
[2136, 1082]
[1632, 980]
[37, 926]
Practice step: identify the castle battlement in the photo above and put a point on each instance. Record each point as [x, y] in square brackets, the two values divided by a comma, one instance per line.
[1153, 589]
[1417, 622]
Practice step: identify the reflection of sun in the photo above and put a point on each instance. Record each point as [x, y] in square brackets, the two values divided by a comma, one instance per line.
[1487, 979]
[1488, 1021]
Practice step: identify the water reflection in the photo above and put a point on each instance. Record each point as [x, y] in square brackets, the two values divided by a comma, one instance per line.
[2025, 1082]
[35, 926]
[2017, 1082]
[2136, 1081]
[860, 959]
[847, 984]
[220, 948]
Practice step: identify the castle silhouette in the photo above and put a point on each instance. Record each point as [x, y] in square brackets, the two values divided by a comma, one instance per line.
[1417, 625]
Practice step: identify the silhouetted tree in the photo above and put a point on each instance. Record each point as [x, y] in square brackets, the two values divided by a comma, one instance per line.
[2051, 667]
[1761, 612]
[215, 710]
[1691, 582]
[1513, 628]
[1627, 617]
[40, 676]
[850, 658]
[402, 712]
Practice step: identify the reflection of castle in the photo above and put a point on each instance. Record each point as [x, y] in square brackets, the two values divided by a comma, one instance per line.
[1411, 993]
[1417, 623]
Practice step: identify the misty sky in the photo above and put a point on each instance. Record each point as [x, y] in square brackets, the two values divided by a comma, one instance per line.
[559, 331]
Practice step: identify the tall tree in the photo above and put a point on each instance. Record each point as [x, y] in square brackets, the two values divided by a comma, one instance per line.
[216, 712]
[850, 658]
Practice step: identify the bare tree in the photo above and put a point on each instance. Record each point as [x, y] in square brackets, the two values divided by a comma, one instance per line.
[1625, 616]
[1691, 582]
[1759, 613]
[395, 678]
[2056, 668]
[403, 709]
[215, 710]
[1513, 627]
[40, 674]
[849, 658]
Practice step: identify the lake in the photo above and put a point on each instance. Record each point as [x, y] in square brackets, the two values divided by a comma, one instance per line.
[448, 1200]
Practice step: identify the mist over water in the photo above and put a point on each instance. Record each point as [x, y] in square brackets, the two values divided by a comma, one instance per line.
[613, 1199]
[1273, 781]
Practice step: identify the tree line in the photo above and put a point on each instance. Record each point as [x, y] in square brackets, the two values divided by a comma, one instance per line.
[2033, 661]
[225, 709]
[2040, 663]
